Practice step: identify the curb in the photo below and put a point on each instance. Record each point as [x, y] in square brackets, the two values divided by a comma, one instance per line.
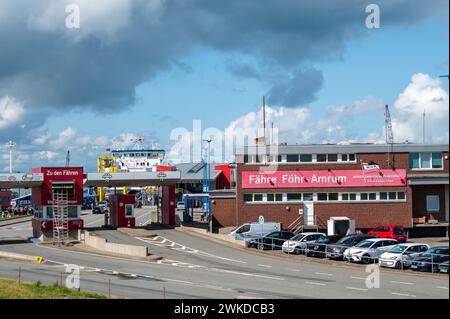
[4, 254]
[16, 221]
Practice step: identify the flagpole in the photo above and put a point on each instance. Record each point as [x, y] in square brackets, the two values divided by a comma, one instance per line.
[264, 119]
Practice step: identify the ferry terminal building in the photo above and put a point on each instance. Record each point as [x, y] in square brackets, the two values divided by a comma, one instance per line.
[368, 183]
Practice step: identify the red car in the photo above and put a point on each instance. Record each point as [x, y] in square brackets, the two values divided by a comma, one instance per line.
[396, 232]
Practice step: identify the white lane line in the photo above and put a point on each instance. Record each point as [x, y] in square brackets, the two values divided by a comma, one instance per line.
[245, 274]
[401, 282]
[323, 274]
[293, 269]
[359, 278]
[267, 266]
[441, 287]
[400, 294]
[354, 288]
[315, 283]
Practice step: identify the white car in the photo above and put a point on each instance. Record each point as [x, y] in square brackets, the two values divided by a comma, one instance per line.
[400, 255]
[368, 250]
[297, 244]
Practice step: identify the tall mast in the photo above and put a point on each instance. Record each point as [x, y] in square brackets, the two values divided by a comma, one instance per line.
[264, 118]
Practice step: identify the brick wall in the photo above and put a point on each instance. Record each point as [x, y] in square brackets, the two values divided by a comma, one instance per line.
[224, 211]
[420, 201]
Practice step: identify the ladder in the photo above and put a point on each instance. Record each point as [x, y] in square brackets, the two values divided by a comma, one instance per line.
[60, 209]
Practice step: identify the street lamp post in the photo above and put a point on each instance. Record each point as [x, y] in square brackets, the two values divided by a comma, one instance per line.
[208, 182]
[10, 144]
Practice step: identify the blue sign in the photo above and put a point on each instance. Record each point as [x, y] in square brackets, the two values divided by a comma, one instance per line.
[261, 219]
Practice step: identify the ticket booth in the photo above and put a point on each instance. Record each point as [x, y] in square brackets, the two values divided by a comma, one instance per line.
[121, 211]
[68, 180]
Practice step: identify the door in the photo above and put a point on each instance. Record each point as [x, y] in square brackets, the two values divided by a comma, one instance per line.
[308, 213]
[330, 227]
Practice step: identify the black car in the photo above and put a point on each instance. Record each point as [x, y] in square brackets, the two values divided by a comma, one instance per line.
[336, 251]
[430, 260]
[443, 267]
[317, 248]
[273, 240]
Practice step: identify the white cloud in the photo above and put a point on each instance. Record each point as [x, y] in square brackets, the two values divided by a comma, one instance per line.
[42, 139]
[65, 138]
[424, 93]
[11, 112]
[46, 155]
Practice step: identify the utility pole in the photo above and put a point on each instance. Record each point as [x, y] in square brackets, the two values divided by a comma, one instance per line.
[207, 182]
[68, 158]
[11, 145]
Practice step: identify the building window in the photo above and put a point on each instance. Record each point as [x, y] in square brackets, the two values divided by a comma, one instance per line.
[351, 157]
[332, 157]
[432, 203]
[372, 196]
[245, 158]
[348, 196]
[274, 197]
[294, 197]
[248, 197]
[364, 196]
[436, 160]
[425, 160]
[401, 195]
[308, 197]
[292, 158]
[257, 197]
[392, 195]
[348, 157]
[306, 158]
[383, 196]
[280, 158]
[321, 157]
[333, 196]
[322, 196]
[129, 210]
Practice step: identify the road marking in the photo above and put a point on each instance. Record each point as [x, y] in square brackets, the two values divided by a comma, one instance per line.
[400, 294]
[401, 282]
[293, 269]
[315, 283]
[323, 273]
[164, 242]
[354, 288]
[359, 278]
[267, 266]
[441, 287]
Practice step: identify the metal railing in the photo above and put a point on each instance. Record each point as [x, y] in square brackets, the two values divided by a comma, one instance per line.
[404, 263]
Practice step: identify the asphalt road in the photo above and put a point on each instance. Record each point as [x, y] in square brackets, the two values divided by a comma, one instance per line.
[195, 268]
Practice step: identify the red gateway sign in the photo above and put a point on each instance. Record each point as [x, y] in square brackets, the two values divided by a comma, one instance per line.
[333, 178]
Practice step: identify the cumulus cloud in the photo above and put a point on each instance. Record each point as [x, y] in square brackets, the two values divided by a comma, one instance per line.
[11, 112]
[298, 89]
[423, 94]
[122, 44]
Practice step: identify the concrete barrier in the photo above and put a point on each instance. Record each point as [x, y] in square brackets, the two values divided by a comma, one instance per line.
[6, 254]
[102, 244]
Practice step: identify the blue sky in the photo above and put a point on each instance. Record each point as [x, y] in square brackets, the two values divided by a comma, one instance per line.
[193, 80]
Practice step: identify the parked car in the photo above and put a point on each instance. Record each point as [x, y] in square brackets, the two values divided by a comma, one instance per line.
[336, 251]
[273, 240]
[396, 232]
[180, 205]
[297, 244]
[249, 231]
[443, 267]
[399, 255]
[369, 250]
[430, 260]
[317, 248]
[101, 208]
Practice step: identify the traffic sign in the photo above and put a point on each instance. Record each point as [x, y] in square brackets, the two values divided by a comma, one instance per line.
[261, 219]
